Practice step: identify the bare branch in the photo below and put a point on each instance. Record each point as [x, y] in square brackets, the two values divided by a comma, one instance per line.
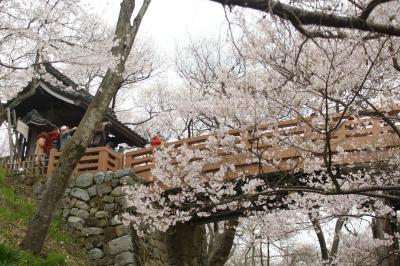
[141, 122]
[12, 67]
[395, 62]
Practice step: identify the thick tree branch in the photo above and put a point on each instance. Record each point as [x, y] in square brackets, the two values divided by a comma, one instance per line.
[365, 191]
[318, 34]
[306, 17]
[370, 7]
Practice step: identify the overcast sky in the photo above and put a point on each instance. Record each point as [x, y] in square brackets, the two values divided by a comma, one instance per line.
[170, 22]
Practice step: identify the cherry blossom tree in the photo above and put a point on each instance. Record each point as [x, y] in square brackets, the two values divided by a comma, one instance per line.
[33, 33]
[322, 73]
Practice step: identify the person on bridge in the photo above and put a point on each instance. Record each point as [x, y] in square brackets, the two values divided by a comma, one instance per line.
[52, 140]
[40, 145]
[100, 138]
[65, 136]
[157, 140]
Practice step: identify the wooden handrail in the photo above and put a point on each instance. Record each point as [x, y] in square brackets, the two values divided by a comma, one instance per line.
[352, 135]
[94, 160]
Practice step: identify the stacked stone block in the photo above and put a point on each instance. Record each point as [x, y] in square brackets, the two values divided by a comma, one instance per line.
[92, 207]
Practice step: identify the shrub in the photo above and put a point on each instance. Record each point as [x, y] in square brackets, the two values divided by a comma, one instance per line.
[8, 256]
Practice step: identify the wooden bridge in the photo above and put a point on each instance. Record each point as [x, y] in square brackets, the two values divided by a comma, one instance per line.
[286, 144]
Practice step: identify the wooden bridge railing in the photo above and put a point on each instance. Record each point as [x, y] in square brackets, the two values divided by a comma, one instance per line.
[293, 141]
[95, 160]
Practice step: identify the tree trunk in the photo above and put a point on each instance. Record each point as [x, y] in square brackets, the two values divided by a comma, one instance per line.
[187, 245]
[3, 114]
[268, 255]
[321, 238]
[378, 233]
[219, 254]
[125, 34]
[336, 238]
[386, 255]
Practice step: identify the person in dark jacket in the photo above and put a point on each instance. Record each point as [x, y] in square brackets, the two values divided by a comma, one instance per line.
[101, 135]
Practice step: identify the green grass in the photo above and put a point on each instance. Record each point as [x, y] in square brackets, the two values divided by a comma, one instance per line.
[2, 175]
[17, 207]
[11, 256]
[57, 234]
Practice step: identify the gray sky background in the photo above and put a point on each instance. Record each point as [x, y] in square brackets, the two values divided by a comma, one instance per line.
[170, 22]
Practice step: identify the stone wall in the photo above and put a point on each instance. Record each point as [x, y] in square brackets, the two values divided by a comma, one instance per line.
[92, 206]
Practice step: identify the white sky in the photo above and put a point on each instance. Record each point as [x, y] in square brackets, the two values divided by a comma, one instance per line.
[170, 22]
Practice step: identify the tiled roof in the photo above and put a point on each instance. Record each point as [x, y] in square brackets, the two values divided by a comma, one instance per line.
[69, 89]
[34, 118]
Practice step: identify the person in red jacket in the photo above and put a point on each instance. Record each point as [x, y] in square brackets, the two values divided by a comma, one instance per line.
[157, 140]
[52, 140]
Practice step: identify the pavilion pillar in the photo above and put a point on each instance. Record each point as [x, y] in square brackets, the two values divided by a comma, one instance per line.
[10, 139]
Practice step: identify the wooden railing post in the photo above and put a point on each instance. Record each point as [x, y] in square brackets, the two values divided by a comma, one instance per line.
[341, 132]
[50, 166]
[308, 135]
[103, 160]
[376, 128]
[127, 160]
[120, 159]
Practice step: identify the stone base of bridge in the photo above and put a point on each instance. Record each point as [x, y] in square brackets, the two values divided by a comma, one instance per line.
[92, 208]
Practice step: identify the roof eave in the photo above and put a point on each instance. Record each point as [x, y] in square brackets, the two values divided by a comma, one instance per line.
[127, 132]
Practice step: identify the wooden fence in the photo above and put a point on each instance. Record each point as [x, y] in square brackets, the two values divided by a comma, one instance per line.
[94, 160]
[29, 166]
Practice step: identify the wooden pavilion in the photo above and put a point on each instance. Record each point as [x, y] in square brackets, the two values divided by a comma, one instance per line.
[57, 101]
